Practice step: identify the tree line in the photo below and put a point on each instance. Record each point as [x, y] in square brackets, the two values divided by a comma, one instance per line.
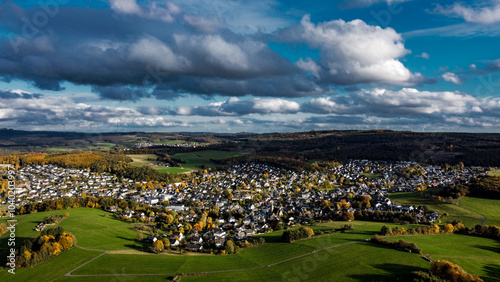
[293, 235]
[486, 186]
[400, 245]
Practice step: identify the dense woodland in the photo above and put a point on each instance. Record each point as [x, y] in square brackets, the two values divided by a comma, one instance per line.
[487, 187]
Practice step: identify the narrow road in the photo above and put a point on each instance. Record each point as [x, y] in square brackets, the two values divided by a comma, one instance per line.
[204, 272]
[485, 218]
[69, 273]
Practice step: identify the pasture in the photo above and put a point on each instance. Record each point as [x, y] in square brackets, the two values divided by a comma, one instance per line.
[495, 172]
[143, 159]
[475, 254]
[488, 207]
[469, 218]
[345, 256]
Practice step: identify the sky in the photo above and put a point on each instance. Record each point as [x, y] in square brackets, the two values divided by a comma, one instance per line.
[249, 66]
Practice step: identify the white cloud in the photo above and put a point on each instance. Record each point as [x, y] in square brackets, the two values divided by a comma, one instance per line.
[217, 51]
[310, 66]
[367, 3]
[407, 101]
[158, 10]
[424, 55]
[155, 53]
[142, 121]
[451, 77]
[486, 13]
[30, 108]
[125, 6]
[236, 107]
[354, 52]
[202, 23]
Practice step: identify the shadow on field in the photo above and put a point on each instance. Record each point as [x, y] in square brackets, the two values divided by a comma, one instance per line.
[125, 238]
[371, 233]
[395, 271]
[5, 248]
[137, 247]
[495, 249]
[493, 272]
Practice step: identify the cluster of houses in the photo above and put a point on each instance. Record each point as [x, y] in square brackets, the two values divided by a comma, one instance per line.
[39, 183]
[250, 197]
[142, 145]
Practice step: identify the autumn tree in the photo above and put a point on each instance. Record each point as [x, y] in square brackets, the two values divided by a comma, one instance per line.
[229, 247]
[158, 246]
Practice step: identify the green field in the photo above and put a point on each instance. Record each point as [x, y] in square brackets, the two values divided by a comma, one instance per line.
[495, 173]
[345, 256]
[172, 169]
[143, 159]
[173, 142]
[475, 254]
[357, 260]
[488, 207]
[96, 146]
[201, 159]
[371, 175]
[90, 227]
[194, 160]
[217, 155]
[52, 269]
[94, 231]
[470, 219]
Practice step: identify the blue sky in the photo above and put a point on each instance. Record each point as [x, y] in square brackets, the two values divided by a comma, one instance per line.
[250, 66]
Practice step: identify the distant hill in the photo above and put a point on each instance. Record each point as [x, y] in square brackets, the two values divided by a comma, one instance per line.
[469, 148]
[481, 149]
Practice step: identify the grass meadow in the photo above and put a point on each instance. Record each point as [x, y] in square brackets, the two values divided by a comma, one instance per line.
[469, 218]
[345, 256]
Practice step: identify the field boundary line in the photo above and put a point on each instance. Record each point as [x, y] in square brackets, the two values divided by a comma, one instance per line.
[485, 218]
[69, 274]
[84, 264]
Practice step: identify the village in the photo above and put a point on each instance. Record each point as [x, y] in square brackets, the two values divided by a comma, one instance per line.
[252, 198]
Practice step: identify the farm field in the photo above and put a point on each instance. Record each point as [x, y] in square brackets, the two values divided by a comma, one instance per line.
[173, 141]
[488, 207]
[345, 256]
[274, 252]
[96, 146]
[495, 172]
[201, 159]
[91, 229]
[475, 254]
[194, 161]
[371, 175]
[354, 262]
[469, 218]
[52, 269]
[172, 169]
[143, 160]
[95, 231]
[217, 155]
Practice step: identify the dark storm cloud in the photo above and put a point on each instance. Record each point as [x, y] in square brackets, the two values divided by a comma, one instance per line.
[287, 86]
[6, 94]
[120, 93]
[98, 47]
[130, 46]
